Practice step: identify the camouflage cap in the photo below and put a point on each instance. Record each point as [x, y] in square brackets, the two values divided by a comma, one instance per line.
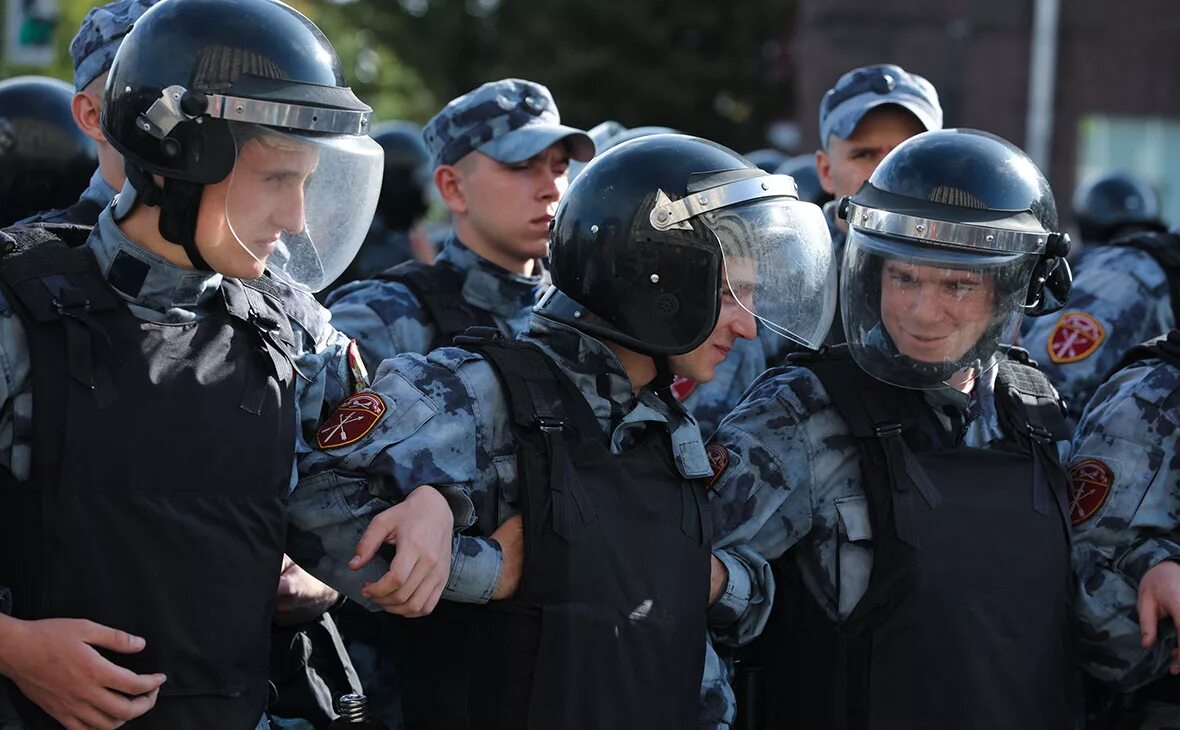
[93, 48]
[509, 120]
[866, 88]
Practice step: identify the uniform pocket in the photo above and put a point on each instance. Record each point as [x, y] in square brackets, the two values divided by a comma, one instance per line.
[855, 552]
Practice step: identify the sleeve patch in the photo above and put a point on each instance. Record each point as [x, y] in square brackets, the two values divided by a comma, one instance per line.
[1090, 484]
[718, 462]
[352, 420]
[1075, 337]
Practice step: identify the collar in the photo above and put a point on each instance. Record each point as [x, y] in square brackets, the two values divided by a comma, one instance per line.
[977, 407]
[488, 286]
[146, 280]
[601, 379]
[98, 191]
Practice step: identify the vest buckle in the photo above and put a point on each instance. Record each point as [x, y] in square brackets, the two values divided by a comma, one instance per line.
[549, 424]
[73, 306]
[887, 430]
[1039, 433]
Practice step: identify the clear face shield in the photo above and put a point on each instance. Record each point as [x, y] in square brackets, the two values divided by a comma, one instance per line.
[924, 317]
[301, 204]
[777, 252]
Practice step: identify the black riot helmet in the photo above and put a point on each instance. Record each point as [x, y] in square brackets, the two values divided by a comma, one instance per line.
[951, 241]
[45, 160]
[802, 169]
[198, 86]
[655, 231]
[406, 180]
[1111, 204]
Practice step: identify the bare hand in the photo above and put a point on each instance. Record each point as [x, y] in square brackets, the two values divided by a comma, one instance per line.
[718, 579]
[422, 528]
[301, 597]
[1159, 597]
[54, 663]
[510, 536]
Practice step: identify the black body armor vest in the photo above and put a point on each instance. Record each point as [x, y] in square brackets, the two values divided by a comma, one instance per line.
[161, 461]
[966, 621]
[607, 629]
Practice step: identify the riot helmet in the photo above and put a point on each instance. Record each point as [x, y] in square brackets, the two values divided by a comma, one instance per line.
[802, 169]
[643, 237]
[610, 133]
[951, 241]
[45, 160]
[406, 180]
[248, 94]
[767, 158]
[1113, 203]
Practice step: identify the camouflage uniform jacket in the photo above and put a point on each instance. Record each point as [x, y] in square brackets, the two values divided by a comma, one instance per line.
[1125, 470]
[386, 319]
[1120, 298]
[446, 422]
[793, 479]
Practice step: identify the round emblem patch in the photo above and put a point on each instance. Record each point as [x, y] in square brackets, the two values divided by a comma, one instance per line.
[682, 387]
[1091, 481]
[1075, 337]
[354, 417]
[718, 461]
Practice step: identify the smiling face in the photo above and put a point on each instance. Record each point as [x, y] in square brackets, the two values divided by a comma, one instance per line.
[932, 314]
[735, 320]
[243, 217]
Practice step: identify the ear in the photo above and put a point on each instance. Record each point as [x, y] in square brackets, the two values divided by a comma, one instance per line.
[87, 110]
[823, 167]
[449, 181]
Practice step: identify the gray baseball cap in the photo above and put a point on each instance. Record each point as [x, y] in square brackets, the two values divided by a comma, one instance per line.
[869, 87]
[102, 30]
[509, 120]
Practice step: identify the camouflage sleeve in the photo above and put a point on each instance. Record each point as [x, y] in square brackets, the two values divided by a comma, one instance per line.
[375, 449]
[16, 395]
[1125, 508]
[717, 705]
[741, 610]
[761, 498]
[384, 317]
[1119, 299]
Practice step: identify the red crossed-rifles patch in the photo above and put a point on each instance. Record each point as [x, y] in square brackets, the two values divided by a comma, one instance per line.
[1075, 337]
[682, 387]
[353, 419]
[718, 461]
[1091, 482]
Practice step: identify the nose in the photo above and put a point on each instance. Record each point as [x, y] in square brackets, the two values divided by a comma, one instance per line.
[289, 215]
[550, 187]
[744, 324]
[927, 309]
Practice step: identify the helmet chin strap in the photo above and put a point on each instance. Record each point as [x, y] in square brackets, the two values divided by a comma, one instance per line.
[179, 203]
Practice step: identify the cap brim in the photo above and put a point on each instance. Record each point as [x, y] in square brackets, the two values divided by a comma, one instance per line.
[527, 142]
[844, 119]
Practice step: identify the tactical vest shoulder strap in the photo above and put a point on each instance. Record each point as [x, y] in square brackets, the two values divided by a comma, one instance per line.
[49, 278]
[1165, 347]
[440, 289]
[550, 419]
[1164, 247]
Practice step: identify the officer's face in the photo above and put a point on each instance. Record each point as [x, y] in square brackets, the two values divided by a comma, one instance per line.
[508, 207]
[847, 163]
[734, 321]
[243, 217]
[935, 315]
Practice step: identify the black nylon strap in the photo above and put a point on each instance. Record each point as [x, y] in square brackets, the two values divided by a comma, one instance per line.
[439, 287]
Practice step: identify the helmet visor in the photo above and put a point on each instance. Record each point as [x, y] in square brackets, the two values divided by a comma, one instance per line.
[302, 204]
[924, 317]
[779, 265]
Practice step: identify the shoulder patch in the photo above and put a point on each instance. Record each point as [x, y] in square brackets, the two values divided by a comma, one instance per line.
[1075, 337]
[352, 420]
[682, 387]
[718, 462]
[1090, 484]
